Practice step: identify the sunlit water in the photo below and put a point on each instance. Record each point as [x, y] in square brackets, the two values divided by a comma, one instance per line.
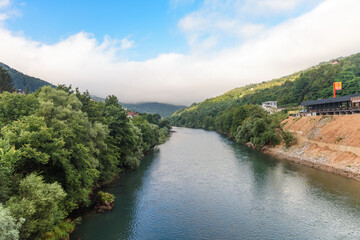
[199, 185]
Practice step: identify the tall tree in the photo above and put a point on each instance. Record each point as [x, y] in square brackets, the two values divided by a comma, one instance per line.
[6, 83]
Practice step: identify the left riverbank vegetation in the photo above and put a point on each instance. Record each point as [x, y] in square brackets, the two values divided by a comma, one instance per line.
[56, 146]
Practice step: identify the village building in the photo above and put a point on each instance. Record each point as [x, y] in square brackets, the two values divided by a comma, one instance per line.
[131, 114]
[333, 106]
[270, 106]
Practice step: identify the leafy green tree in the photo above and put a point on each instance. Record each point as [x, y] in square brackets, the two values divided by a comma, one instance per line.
[38, 203]
[6, 84]
[9, 226]
[13, 106]
[8, 159]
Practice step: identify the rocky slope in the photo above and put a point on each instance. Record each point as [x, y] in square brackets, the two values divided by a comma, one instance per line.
[331, 143]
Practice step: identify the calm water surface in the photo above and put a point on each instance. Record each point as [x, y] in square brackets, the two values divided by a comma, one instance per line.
[199, 185]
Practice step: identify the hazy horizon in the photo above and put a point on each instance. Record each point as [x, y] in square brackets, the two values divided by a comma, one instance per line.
[173, 51]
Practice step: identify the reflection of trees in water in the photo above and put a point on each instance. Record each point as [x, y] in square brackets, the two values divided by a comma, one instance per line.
[128, 194]
[123, 216]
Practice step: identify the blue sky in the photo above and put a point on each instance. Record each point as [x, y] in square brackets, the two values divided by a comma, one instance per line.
[173, 51]
[151, 26]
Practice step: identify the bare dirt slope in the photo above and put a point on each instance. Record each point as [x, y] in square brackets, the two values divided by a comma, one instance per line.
[331, 143]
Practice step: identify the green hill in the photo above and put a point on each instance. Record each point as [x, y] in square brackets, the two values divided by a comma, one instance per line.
[23, 81]
[310, 84]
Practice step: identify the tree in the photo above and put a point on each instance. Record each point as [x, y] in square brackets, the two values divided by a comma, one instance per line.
[8, 159]
[38, 203]
[6, 84]
[9, 226]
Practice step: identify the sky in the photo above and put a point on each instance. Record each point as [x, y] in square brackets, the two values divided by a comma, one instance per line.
[173, 51]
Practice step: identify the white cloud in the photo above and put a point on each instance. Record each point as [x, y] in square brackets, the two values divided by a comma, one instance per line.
[275, 5]
[4, 3]
[126, 43]
[328, 31]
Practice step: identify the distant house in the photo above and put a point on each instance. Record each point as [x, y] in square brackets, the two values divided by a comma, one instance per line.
[131, 114]
[335, 62]
[19, 91]
[270, 106]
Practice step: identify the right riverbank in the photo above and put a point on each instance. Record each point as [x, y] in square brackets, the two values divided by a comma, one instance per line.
[329, 143]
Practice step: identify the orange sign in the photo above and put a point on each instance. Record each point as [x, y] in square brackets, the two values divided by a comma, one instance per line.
[337, 86]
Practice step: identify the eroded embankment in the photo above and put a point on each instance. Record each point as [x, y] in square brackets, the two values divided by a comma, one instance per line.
[330, 143]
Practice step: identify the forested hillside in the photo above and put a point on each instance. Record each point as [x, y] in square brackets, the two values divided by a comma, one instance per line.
[236, 112]
[310, 84]
[23, 81]
[57, 145]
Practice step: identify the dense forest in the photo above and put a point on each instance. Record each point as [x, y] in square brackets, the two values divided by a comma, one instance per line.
[223, 113]
[57, 145]
[23, 81]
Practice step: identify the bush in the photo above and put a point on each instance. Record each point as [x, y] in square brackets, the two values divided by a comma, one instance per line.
[106, 197]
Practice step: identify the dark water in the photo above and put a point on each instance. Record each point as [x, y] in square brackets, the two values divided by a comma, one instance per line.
[201, 186]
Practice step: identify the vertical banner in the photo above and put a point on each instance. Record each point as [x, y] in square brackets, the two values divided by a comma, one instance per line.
[337, 86]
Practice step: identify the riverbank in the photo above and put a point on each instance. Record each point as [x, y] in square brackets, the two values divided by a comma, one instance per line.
[329, 143]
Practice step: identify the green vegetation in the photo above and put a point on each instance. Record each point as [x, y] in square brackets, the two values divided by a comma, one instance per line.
[310, 84]
[23, 81]
[56, 146]
[245, 123]
[106, 197]
[6, 84]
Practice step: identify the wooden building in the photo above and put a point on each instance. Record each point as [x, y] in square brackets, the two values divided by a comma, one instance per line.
[334, 106]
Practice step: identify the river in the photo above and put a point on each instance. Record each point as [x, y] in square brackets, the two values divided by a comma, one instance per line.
[199, 185]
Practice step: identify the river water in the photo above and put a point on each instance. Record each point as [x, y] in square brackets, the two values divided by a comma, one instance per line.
[199, 185]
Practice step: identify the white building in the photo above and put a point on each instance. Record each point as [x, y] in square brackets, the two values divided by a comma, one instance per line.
[270, 106]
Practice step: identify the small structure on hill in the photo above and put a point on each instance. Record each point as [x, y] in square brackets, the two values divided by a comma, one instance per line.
[270, 106]
[335, 62]
[131, 114]
[20, 91]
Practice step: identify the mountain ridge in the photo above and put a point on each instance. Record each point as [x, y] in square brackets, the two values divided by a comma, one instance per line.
[23, 81]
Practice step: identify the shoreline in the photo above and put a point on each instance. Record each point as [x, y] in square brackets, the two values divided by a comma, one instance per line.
[311, 162]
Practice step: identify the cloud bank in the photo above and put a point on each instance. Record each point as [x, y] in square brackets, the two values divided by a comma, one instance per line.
[327, 31]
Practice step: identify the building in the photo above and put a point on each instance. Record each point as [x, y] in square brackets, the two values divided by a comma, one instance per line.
[20, 91]
[131, 114]
[334, 62]
[270, 106]
[334, 106]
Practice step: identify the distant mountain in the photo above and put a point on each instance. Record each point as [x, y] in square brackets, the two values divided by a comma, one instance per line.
[163, 109]
[22, 81]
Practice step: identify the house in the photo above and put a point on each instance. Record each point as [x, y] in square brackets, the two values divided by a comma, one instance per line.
[131, 114]
[20, 91]
[335, 62]
[270, 106]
